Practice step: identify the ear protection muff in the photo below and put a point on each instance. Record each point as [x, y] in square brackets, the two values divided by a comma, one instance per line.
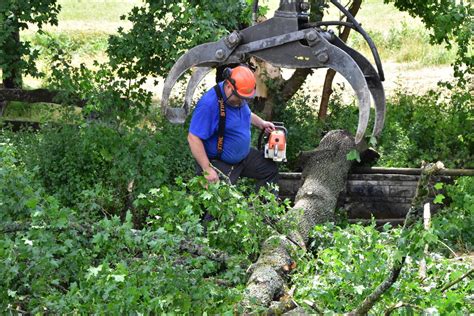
[227, 75]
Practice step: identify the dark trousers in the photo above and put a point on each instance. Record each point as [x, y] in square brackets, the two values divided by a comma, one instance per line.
[254, 166]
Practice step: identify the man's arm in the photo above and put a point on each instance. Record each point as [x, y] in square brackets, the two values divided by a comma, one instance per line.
[260, 123]
[199, 153]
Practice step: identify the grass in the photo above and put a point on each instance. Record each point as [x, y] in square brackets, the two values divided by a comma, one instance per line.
[96, 11]
[405, 44]
[37, 112]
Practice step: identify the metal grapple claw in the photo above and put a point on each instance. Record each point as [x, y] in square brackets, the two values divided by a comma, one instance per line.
[320, 53]
[373, 81]
[197, 76]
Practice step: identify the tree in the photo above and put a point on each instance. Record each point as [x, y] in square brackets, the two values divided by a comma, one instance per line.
[17, 58]
[164, 30]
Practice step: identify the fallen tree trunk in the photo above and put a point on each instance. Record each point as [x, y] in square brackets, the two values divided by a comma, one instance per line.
[36, 96]
[324, 173]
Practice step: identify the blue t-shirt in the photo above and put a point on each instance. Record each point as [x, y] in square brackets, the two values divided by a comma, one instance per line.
[205, 123]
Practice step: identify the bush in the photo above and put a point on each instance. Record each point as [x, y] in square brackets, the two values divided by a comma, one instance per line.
[351, 262]
[100, 167]
[56, 259]
[430, 127]
[454, 224]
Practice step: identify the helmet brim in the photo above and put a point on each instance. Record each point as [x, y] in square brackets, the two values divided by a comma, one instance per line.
[245, 96]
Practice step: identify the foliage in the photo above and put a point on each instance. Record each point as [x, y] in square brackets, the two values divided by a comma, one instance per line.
[15, 55]
[164, 30]
[92, 219]
[83, 43]
[454, 223]
[351, 262]
[405, 44]
[114, 100]
[96, 163]
[69, 260]
[430, 127]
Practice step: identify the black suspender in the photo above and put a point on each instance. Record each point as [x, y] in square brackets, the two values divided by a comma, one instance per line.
[221, 128]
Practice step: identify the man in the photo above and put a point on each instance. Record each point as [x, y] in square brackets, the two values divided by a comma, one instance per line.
[219, 135]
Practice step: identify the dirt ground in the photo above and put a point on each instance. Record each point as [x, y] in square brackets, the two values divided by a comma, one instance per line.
[398, 77]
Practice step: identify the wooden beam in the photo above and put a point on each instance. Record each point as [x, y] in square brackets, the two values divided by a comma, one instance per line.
[35, 96]
[411, 171]
[380, 170]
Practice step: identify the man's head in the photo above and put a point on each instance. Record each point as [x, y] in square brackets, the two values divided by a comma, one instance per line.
[239, 84]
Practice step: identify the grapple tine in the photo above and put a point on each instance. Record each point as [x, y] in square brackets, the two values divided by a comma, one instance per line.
[373, 81]
[346, 66]
[209, 54]
[197, 76]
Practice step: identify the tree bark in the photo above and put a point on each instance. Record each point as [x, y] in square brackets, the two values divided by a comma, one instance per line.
[324, 177]
[13, 79]
[295, 82]
[284, 90]
[327, 89]
[34, 96]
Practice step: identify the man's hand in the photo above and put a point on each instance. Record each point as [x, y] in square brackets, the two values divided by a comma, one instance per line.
[199, 153]
[211, 175]
[267, 126]
[258, 122]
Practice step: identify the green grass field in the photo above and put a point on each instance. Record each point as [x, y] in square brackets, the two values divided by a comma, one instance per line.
[85, 25]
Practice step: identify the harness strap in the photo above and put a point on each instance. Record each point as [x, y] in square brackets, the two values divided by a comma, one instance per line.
[221, 128]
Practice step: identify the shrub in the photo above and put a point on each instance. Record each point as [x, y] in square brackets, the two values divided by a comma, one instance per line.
[56, 259]
[95, 165]
[454, 224]
[430, 127]
[351, 262]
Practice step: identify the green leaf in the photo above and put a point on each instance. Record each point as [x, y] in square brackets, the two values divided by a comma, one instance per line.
[439, 199]
[118, 277]
[206, 195]
[353, 155]
[94, 271]
[439, 185]
[359, 289]
[31, 203]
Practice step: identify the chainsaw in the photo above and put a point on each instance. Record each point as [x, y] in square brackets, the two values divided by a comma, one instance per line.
[275, 143]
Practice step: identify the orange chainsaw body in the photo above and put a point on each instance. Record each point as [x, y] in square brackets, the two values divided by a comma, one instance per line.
[275, 148]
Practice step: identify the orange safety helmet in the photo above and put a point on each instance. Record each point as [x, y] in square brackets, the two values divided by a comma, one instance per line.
[243, 81]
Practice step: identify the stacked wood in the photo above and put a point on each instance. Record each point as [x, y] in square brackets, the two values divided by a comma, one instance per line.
[382, 193]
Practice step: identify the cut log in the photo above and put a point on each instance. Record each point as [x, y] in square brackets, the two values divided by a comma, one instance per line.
[324, 178]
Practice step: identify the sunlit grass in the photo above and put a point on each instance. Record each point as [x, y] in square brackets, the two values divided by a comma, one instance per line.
[37, 112]
[96, 11]
[406, 44]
